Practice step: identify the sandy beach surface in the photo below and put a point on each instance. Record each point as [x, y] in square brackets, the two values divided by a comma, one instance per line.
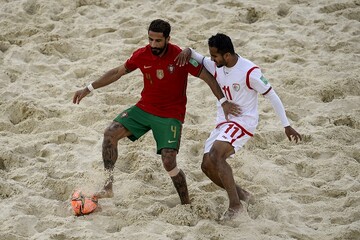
[309, 51]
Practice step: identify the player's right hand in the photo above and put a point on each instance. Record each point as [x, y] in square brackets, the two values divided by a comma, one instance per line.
[80, 94]
[230, 108]
[183, 58]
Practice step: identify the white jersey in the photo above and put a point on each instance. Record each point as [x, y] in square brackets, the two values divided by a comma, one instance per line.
[241, 85]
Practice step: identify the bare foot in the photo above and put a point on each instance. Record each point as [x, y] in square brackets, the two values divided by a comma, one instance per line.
[231, 214]
[106, 192]
[245, 195]
[248, 198]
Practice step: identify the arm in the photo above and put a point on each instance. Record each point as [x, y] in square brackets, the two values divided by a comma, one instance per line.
[108, 78]
[228, 107]
[185, 55]
[197, 56]
[280, 112]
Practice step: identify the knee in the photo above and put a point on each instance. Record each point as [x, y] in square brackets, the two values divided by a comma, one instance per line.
[107, 132]
[213, 159]
[168, 157]
[114, 132]
[108, 137]
[214, 155]
[207, 163]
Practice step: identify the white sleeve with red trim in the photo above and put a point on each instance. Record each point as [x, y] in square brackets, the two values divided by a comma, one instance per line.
[206, 61]
[258, 82]
[278, 107]
[197, 56]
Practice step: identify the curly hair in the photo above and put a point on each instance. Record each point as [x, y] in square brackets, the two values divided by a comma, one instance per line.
[162, 26]
[222, 42]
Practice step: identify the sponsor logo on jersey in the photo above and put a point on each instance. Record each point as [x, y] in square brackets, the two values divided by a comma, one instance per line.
[236, 87]
[159, 73]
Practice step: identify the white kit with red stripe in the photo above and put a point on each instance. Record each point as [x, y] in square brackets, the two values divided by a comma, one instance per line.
[240, 84]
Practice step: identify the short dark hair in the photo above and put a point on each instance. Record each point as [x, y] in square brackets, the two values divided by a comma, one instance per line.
[222, 42]
[161, 26]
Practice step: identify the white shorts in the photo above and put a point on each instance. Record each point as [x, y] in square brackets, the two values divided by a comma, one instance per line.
[227, 132]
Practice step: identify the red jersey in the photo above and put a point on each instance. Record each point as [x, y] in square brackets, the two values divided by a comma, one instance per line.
[164, 92]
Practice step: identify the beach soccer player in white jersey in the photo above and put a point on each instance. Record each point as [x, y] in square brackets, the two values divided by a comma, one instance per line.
[241, 82]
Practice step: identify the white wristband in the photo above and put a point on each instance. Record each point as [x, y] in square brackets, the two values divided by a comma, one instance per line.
[90, 87]
[222, 100]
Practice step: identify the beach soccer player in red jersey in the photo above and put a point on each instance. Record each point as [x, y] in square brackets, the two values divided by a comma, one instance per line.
[161, 107]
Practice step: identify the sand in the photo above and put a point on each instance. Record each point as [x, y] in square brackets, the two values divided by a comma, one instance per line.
[309, 51]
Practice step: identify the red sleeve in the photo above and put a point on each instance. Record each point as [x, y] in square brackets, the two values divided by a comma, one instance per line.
[132, 63]
[194, 68]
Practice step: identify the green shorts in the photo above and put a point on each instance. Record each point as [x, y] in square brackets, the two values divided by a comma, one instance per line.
[166, 131]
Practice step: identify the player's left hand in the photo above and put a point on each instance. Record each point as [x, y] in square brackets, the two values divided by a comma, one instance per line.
[292, 134]
[230, 108]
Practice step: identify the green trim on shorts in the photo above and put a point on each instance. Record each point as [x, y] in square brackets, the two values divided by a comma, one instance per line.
[166, 131]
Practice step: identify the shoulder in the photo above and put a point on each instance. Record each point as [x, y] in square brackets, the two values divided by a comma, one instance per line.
[142, 51]
[138, 57]
[246, 63]
[174, 48]
[248, 67]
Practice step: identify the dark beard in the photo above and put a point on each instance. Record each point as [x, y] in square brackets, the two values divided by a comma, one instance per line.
[158, 51]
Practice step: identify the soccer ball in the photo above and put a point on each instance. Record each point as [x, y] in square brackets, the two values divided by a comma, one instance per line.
[82, 204]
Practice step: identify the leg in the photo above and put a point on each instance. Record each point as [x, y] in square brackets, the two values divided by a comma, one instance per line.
[112, 135]
[168, 157]
[218, 155]
[211, 172]
[219, 171]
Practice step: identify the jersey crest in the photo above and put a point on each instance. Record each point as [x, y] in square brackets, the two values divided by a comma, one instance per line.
[159, 73]
[171, 68]
[236, 87]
